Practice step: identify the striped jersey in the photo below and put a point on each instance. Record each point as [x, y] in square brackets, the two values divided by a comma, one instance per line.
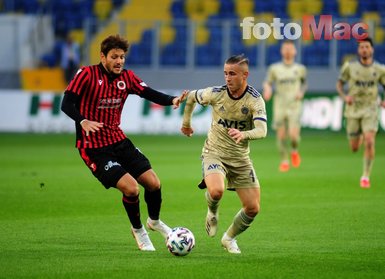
[101, 98]
[229, 112]
[363, 84]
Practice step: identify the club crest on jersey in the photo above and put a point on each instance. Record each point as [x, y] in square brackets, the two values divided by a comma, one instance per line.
[244, 110]
[121, 85]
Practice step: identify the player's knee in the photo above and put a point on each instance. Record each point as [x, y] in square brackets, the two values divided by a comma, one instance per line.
[252, 210]
[130, 190]
[216, 194]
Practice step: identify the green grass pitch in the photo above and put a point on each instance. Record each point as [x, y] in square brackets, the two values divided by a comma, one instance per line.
[57, 221]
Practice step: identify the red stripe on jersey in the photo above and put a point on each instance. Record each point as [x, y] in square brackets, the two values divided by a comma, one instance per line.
[87, 160]
[101, 99]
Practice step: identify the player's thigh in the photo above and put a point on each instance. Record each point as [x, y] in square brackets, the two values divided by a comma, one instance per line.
[104, 165]
[214, 173]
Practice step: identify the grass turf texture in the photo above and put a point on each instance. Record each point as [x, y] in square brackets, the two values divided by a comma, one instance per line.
[57, 221]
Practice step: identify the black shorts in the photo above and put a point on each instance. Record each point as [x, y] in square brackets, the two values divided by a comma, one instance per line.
[110, 163]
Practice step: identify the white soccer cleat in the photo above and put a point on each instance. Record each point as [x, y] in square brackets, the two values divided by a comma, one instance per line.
[142, 239]
[211, 223]
[230, 244]
[159, 226]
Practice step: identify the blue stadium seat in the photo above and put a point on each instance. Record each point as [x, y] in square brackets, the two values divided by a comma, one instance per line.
[177, 9]
[273, 54]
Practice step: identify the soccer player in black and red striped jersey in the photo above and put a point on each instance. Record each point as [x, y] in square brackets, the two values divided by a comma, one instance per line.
[94, 99]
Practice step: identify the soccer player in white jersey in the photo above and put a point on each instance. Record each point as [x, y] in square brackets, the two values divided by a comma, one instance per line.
[361, 103]
[289, 80]
[238, 115]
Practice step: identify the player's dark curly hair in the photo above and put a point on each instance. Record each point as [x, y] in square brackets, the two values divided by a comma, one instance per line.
[367, 39]
[112, 42]
[238, 59]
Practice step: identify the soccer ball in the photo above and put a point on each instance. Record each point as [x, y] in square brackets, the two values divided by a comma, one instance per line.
[180, 241]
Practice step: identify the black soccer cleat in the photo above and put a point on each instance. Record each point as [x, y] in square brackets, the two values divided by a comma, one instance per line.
[202, 185]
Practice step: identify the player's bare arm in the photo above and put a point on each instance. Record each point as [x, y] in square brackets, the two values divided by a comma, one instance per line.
[302, 91]
[341, 92]
[267, 91]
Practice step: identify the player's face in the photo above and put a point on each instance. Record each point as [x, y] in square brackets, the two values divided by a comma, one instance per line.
[288, 51]
[365, 50]
[114, 61]
[235, 76]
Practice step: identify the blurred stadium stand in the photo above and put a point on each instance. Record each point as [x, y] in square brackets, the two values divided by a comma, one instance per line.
[195, 34]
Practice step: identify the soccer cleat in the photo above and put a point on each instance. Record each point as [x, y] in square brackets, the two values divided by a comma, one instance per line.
[211, 223]
[284, 166]
[365, 182]
[230, 244]
[295, 159]
[202, 185]
[142, 239]
[159, 226]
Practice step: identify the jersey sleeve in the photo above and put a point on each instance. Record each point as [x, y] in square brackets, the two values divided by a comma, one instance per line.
[200, 96]
[79, 82]
[137, 85]
[270, 77]
[259, 121]
[344, 72]
[204, 96]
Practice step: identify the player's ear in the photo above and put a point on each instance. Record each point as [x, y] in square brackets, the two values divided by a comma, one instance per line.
[102, 57]
[246, 74]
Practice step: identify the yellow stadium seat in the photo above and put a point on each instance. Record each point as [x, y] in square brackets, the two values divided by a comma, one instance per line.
[211, 7]
[371, 17]
[140, 16]
[78, 35]
[102, 9]
[244, 8]
[201, 34]
[295, 9]
[167, 34]
[50, 79]
[313, 7]
[347, 7]
[379, 35]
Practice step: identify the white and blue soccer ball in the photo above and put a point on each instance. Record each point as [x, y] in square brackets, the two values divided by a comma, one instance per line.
[180, 241]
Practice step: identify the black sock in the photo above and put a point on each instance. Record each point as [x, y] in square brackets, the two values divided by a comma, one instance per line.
[131, 204]
[154, 201]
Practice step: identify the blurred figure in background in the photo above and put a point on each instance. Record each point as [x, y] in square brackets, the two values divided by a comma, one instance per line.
[361, 103]
[70, 58]
[289, 79]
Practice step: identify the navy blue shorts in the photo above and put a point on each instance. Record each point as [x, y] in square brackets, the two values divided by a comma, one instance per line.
[108, 164]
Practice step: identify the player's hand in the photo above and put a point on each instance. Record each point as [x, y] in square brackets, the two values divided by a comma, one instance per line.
[187, 131]
[90, 126]
[299, 96]
[178, 100]
[348, 99]
[236, 135]
[383, 104]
